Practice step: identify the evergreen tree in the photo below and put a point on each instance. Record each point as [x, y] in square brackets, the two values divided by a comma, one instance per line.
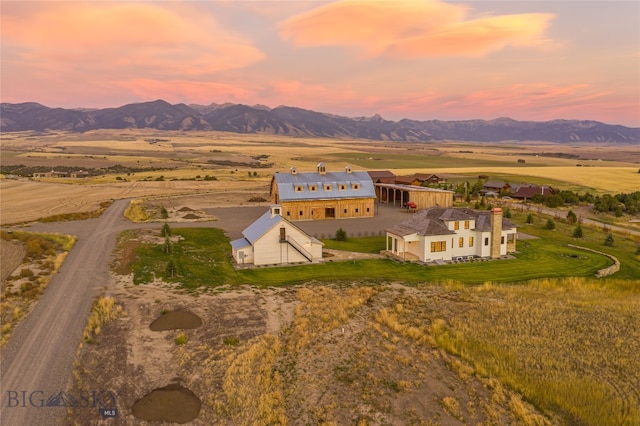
[550, 224]
[609, 241]
[578, 232]
[166, 230]
[529, 218]
[341, 235]
[571, 217]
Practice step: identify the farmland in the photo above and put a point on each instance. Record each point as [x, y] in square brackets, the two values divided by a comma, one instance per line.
[533, 339]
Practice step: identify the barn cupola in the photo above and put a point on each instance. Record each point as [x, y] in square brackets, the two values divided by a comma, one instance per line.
[347, 169]
[322, 169]
[293, 170]
[276, 210]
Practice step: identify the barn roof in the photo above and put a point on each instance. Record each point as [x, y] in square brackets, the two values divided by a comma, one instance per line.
[287, 183]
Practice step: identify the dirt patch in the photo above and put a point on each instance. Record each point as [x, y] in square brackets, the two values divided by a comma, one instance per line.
[176, 320]
[172, 403]
[11, 255]
[191, 216]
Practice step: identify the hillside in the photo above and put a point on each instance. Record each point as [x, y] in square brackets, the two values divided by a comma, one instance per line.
[285, 120]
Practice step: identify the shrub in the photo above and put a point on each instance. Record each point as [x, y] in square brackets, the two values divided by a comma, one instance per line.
[166, 230]
[181, 339]
[529, 218]
[577, 233]
[550, 224]
[341, 235]
[231, 341]
[609, 241]
[507, 213]
[571, 217]
[163, 212]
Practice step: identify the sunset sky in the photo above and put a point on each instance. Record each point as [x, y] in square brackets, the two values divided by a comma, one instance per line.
[528, 60]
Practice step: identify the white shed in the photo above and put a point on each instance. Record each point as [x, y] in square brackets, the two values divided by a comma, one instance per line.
[273, 240]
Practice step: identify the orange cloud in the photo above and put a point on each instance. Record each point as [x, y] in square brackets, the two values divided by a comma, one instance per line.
[412, 28]
[107, 40]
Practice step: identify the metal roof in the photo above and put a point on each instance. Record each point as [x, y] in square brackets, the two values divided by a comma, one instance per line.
[240, 243]
[258, 228]
[288, 182]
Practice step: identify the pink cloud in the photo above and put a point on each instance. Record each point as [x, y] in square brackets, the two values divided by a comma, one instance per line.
[93, 45]
[412, 29]
[177, 91]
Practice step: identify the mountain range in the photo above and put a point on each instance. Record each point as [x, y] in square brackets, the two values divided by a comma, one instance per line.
[284, 120]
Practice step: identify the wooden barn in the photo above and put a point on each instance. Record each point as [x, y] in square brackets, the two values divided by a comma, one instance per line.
[420, 196]
[323, 195]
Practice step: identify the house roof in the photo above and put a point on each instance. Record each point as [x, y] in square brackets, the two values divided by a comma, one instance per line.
[495, 184]
[377, 174]
[287, 183]
[240, 243]
[433, 221]
[261, 226]
[529, 191]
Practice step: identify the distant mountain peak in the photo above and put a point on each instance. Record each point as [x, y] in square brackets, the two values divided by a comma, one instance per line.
[294, 121]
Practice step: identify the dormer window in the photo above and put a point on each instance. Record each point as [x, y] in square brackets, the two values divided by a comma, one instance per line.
[313, 188]
[342, 187]
[328, 187]
[299, 188]
[355, 186]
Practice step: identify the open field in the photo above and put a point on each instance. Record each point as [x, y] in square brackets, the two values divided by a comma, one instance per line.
[533, 339]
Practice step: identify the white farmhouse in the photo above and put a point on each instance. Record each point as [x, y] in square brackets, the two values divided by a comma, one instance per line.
[273, 240]
[445, 234]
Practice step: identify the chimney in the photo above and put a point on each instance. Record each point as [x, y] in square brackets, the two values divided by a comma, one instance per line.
[496, 232]
[321, 169]
[293, 170]
[348, 169]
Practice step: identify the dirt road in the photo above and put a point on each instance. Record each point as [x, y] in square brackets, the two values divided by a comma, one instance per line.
[38, 359]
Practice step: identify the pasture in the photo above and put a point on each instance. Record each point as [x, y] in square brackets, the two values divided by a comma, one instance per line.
[533, 339]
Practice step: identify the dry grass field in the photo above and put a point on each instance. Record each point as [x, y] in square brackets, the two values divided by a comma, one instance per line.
[548, 352]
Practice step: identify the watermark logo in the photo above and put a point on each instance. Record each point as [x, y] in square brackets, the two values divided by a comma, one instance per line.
[103, 400]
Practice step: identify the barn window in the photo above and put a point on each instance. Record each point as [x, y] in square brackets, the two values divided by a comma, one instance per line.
[299, 188]
[438, 246]
[301, 213]
[288, 213]
[313, 188]
[345, 211]
[357, 210]
[461, 242]
[367, 209]
[470, 241]
[355, 186]
[342, 187]
[466, 224]
[328, 187]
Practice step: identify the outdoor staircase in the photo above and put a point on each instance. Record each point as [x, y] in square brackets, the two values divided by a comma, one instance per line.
[293, 243]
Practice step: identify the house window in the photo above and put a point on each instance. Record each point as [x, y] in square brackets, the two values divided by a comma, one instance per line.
[466, 224]
[461, 242]
[328, 187]
[486, 241]
[313, 188]
[501, 240]
[276, 211]
[438, 246]
[283, 234]
[456, 225]
[470, 241]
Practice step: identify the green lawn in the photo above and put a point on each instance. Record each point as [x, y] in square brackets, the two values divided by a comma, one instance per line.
[361, 245]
